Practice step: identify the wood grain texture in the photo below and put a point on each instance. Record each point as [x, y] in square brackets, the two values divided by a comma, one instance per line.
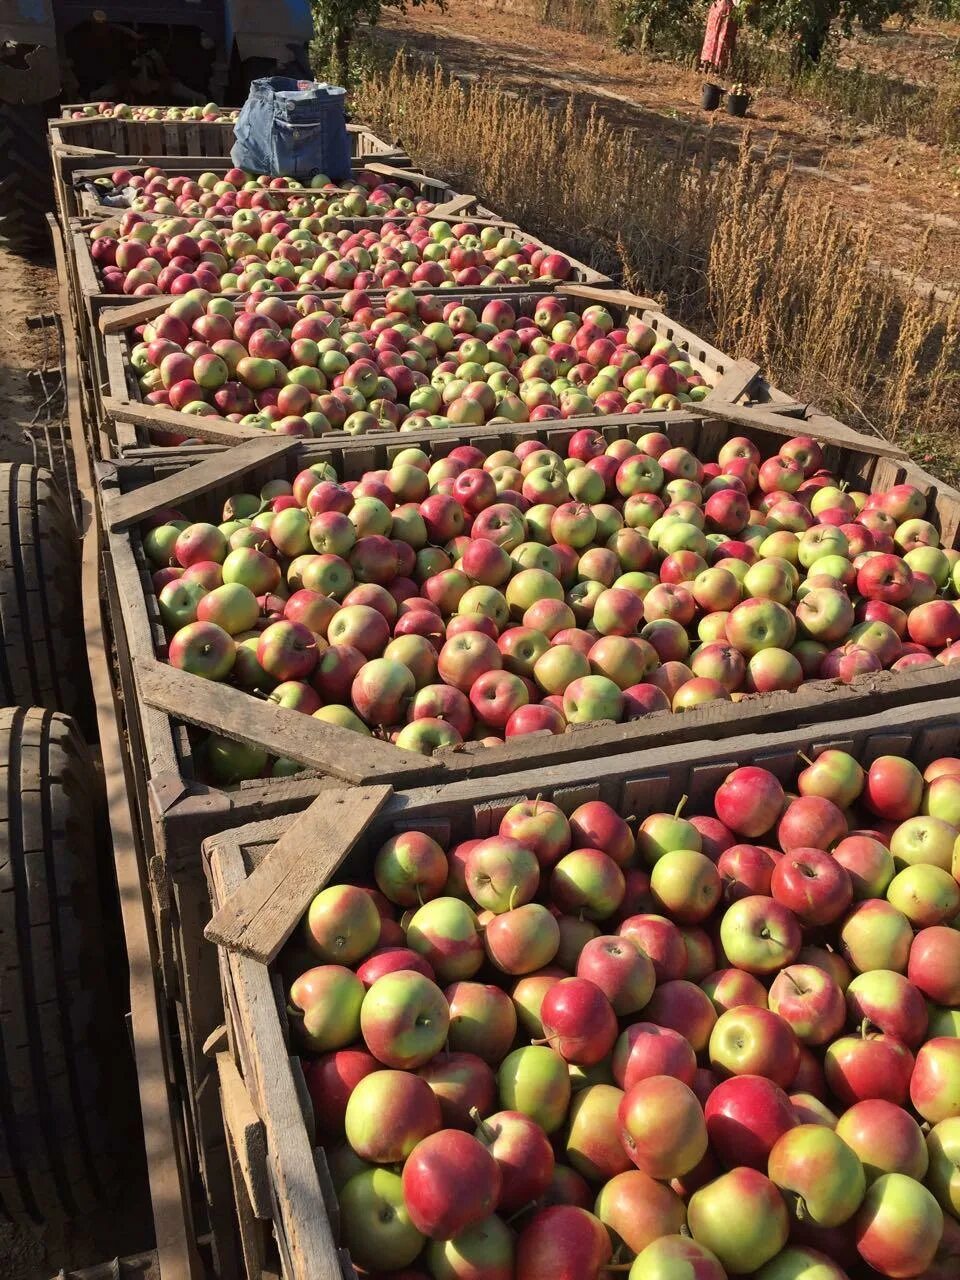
[824, 429]
[158, 417]
[734, 382]
[130, 508]
[246, 1133]
[261, 914]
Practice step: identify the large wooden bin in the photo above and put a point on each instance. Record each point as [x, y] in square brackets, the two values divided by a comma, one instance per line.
[286, 1206]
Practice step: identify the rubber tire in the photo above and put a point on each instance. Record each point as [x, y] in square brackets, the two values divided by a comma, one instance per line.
[42, 647]
[64, 1061]
[26, 181]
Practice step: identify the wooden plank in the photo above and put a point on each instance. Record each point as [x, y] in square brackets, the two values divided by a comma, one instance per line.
[304, 1226]
[260, 916]
[119, 319]
[827, 430]
[619, 297]
[125, 509]
[459, 204]
[230, 712]
[246, 1133]
[734, 382]
[157, 417]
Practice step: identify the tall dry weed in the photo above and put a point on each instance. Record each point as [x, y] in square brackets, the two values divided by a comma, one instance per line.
[764, 271]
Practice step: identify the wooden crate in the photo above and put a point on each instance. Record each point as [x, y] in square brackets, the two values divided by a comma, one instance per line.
[70, 152]
[167, 700]
[733, 380]
[261, 1068]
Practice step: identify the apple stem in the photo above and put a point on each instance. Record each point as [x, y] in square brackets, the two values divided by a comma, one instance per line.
[513, 896]
[865, 1028]
[679, 808]
[523, 1209]
[420, 893]
[805, 758]
[800, 1209]
[482, 1125]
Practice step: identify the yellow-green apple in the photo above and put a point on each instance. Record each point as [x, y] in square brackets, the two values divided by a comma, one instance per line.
[890, 1003]
[203, 649]
[746, 1115]
[810, 1001]
[522, 940]
[674, 1255]
[749, 801]
[562, 1242]
[662, 1127]
[835, 775]
[728, 988]
[875, 935]
[485, 1249]
[462, 1084]
[741, 1218]
[410, 868]
[645, 1049]
[752, 1041]
[483, 1020]
[898, 1227]
[539, 826]
[757, 624]
[466, 656]
[935, 1083]
[811, 884]
[342, 924]
[825, 614]
[661, 833]
[445, 932]
[450, 1182]
[376, 1225]
[535, 1080]
[404, 1019]
[325, 1006]
[661, 940]
[578, 1021]
[527, 995]
[925, 894]
[870, 1065]
[797, 1262]
[941, 798]
[943, 1178]
[592, 698]
[819, 1175]
[934, 964]
[587, 881]
[637, 1210]
[685, 885]
[524, 1154]
[868, 863]
[621, 970]
[501, 874]
[885, 1137]
[923, 840]
[362, 627]
[593, 1144]
[759, 935]
[388, 1113]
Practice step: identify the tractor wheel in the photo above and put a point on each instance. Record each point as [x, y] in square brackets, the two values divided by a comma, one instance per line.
[42, 651]
[65, 1067]
[26, 183]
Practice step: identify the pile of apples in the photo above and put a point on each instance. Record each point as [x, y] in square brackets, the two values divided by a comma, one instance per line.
[209, 195]
[406, 361]
[177, 255]
[209, 113]
[484, 598]
[684, 1049]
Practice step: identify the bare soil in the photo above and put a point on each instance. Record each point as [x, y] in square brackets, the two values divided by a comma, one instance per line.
[903, 190]
[26, 288]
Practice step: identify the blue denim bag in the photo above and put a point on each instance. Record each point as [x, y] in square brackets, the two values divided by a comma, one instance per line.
[292, 128]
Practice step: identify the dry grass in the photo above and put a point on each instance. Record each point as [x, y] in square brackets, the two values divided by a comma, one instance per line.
[759, 269]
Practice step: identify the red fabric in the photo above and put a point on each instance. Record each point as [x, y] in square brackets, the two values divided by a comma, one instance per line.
[721, 35]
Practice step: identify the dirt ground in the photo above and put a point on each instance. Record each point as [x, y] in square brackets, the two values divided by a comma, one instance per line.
[904, 190]
[26, 288]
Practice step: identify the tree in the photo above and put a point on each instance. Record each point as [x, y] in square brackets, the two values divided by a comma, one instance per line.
[806, 23]
[336, 23]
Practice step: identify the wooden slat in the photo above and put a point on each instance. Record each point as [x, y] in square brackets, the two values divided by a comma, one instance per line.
[619, 297]
[119, 319]
[230, 712]
[260, 916]
[735, 382]
[247, 1134]
[459, 204]
[303, 1230]
[157, 417]
[127, 509]
[826, 430]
